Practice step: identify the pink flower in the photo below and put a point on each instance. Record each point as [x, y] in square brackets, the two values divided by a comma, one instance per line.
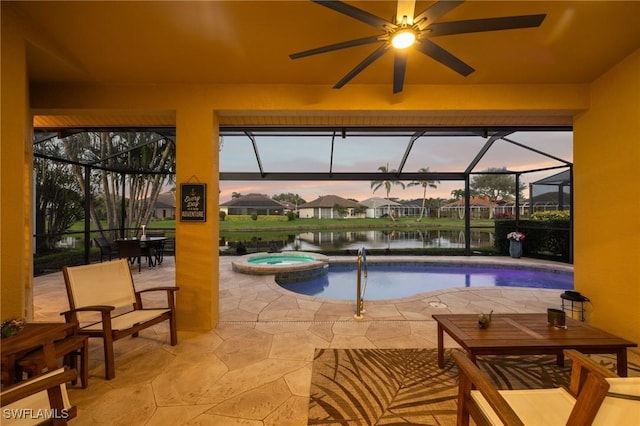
[515, 236]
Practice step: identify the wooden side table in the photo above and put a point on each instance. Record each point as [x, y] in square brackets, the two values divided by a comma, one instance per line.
[34, 336]
[70, 348]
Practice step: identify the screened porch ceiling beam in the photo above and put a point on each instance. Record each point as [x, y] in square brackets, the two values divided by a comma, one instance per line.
[414, 138]
[125, 151]
[302, 176]
[333, 139]
[484, 150]
[255, 150]
[537, 151]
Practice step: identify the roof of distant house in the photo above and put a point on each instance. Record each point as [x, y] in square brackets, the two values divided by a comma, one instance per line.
[253, 200]
[166, 200]
[374, 202]
[416, 203]
[288, 205]
[328, 201]
[475, 201]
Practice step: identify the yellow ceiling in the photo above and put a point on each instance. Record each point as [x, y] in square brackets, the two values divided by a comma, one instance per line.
[237, 42]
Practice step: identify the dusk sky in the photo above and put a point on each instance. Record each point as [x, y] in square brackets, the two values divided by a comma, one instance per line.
[366, 154]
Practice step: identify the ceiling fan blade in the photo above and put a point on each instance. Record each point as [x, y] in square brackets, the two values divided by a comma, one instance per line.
[436, 11]
[399, 68]
[355, 13]
[436, 52]
[487, 24]
[362, 65]
[405, 8]
[337, 46]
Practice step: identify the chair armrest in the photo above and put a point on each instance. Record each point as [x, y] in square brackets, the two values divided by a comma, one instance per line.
[70, 315]
[98, 308]
[470, 377]
[35, 385]
[582, 365]
[168, 289]
[172, 289]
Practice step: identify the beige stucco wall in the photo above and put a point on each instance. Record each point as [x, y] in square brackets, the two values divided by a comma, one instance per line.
[607, 223]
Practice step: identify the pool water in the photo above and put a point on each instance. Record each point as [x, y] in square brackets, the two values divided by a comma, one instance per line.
[280, 260]
[395, 281]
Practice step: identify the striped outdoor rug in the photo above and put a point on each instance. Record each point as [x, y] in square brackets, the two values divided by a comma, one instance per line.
[405, 386]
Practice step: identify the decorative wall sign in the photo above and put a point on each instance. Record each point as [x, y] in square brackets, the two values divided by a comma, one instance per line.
[193, 202]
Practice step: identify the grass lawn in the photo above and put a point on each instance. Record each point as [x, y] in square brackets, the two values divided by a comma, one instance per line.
[314, 224]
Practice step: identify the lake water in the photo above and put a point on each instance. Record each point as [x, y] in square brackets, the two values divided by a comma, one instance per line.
[369, 239]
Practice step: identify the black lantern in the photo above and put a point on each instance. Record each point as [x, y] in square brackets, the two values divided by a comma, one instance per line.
[573, 304]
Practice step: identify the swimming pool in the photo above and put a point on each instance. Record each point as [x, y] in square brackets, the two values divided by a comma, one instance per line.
[391, 281]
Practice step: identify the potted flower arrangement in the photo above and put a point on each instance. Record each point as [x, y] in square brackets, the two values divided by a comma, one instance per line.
[11, 327]
[515, 236]
[515, 243]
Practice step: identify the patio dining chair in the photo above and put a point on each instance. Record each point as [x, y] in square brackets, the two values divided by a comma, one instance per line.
[131, 250]
[105, 246]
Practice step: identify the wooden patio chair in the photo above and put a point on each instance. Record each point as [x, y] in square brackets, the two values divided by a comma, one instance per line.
[40, 400]
[595, 396]
[103, 300]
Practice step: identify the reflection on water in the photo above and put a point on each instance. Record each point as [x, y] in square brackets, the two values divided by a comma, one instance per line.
[370, 239]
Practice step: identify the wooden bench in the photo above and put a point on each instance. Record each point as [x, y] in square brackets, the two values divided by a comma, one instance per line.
[104, 301]
[70, 348]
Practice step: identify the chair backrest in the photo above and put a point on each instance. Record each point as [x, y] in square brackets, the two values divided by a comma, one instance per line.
[107, 283]
[622, 403]
[29, 402]
[129, 248]
[102, 242]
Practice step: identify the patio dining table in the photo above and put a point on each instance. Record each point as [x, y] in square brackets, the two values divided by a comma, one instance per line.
[150, 247]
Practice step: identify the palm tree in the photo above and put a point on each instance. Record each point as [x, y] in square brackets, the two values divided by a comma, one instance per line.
[425, 184]
[127, 151]
[376, 184]
[457, 194]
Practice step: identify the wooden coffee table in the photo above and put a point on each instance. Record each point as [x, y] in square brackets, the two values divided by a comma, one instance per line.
[528, 334]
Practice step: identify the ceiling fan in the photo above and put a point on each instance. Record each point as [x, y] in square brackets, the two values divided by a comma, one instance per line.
[408, 29]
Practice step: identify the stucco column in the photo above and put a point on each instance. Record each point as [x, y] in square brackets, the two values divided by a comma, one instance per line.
[196, 256]
[15, 175]
[606, 205]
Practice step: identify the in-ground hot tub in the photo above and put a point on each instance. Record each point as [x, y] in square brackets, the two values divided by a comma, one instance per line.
[278, 263]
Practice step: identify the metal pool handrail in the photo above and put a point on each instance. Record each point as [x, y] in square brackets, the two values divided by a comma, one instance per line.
[360, 289]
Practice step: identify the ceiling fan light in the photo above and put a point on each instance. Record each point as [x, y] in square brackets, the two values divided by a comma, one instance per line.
[403, 38]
